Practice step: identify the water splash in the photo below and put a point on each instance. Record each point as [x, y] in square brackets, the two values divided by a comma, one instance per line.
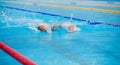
[19, 22]
[26, 22]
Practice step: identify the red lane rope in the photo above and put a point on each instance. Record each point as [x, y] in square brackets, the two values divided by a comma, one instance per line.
[16, 55]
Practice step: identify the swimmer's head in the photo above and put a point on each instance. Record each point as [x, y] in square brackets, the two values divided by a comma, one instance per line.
[70, 28]
[42, 28]
[54, 27]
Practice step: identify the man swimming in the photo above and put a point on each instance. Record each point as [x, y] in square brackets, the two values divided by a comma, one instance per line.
[69, 26]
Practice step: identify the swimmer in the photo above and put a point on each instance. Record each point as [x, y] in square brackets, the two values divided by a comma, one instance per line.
[69, 26]
[45, 27]
[48, 27]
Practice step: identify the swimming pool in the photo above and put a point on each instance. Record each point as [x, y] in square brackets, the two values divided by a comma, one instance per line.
[96, 44]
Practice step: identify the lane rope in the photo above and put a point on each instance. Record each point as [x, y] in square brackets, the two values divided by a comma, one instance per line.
[14, 54]
[67, 17]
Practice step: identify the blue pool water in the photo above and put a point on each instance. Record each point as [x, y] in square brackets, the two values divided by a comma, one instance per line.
[97, 44]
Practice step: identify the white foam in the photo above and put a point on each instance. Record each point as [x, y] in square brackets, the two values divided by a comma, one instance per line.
[20, 22]
[65, 25]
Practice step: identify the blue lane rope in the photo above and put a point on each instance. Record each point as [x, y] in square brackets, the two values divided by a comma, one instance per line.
[78, 19]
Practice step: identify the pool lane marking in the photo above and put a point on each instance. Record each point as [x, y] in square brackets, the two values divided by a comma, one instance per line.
[80, 8]
[72, 7]
[78, 2]
[67, 17]
[104, 5]
[66, 3]
[14, 54]
[117, 2]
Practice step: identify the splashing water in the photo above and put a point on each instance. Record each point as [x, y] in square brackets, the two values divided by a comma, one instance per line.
[18, 22]
[26, 22]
